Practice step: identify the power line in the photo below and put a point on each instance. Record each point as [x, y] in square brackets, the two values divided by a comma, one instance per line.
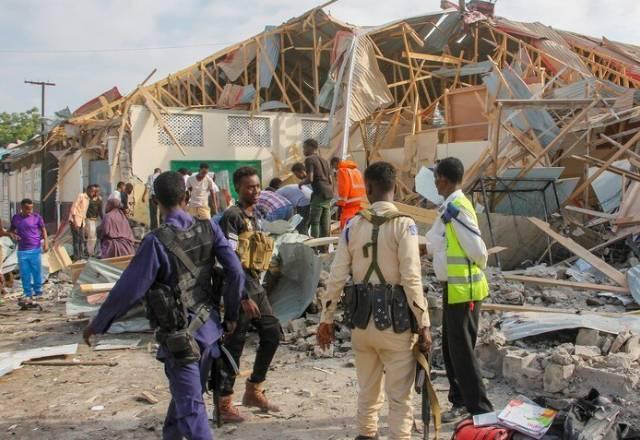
[88, 51]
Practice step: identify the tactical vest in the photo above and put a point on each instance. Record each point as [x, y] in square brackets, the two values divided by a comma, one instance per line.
[197, 284]
[386, 303]
[465, 280]
[255, 248]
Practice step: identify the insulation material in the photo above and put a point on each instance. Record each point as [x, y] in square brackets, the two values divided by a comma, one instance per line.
[369, 91]
[269, 57]
[465, 106]
[233, 64]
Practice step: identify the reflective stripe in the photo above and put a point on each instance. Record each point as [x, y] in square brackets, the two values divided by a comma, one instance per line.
[457, 260]
[464, 280]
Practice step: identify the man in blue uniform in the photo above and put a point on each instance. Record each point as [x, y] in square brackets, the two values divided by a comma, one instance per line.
[177, 261]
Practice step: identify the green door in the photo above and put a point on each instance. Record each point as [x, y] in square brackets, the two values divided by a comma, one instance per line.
[217, 166]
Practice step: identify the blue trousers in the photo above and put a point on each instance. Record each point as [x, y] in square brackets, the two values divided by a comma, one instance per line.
[30, 265]
[187, 413]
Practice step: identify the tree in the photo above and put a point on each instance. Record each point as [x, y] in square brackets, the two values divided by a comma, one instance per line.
[18, 126]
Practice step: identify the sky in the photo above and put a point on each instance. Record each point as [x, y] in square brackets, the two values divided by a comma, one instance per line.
[88, 46]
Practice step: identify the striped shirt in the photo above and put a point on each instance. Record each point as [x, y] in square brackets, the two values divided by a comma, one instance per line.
[269, 201]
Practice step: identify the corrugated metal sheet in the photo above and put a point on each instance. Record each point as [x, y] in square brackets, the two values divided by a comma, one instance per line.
[537, 119]
[271, 45]
[297, 288]
[521, 325]
[467, 69]
[96, 271]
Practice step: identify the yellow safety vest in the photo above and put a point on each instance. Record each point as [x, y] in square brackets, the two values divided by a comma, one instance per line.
[466, 281]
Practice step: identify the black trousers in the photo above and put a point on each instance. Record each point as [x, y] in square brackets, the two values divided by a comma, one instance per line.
[79, 243]
[269, 332]
[459, 334]
[303, 227]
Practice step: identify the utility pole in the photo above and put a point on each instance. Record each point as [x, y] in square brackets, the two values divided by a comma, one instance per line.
[42, 85]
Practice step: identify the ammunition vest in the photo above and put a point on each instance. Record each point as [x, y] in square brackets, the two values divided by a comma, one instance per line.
[386, 303]
[255, 248]
[465, 280]
[196, 291]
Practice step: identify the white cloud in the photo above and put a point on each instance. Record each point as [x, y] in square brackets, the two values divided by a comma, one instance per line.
[101, 24]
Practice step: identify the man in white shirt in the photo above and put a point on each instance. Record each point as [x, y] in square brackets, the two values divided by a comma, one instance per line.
[459, 258]
[117, 193]
[153, 204]
[201, 188]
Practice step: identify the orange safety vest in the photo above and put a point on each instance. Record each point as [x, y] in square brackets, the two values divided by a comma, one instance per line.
[350, 184]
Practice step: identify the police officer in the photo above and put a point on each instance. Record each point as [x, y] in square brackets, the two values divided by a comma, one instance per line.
[174, 265]
[242, 227]
[379, 249]
[459, 256]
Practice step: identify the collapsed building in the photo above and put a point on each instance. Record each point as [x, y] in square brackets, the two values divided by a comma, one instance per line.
[546, 122]
[497, 93]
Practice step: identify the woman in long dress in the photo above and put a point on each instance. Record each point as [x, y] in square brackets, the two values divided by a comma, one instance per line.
[115, 234]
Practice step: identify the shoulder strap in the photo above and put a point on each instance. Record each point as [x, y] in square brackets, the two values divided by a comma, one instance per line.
[167, 237]
[376, 221]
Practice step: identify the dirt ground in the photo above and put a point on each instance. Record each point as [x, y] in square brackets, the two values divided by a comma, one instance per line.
[317, 396]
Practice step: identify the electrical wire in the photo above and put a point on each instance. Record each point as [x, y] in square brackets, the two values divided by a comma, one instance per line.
[89, 51]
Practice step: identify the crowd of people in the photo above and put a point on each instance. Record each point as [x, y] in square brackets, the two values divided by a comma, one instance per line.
[377, 260]
[99, 229]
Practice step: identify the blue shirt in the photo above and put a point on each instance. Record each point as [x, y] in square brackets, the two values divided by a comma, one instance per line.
[298, 197]
[152, 263]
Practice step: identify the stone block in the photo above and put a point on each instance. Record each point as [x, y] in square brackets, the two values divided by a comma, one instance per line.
[632, 347]
[514, 362]
[607, 382]
[557, 377]
[620, 340]
[587, 352]
[298, 327]
[490, 357]
[320, 353]
[620, 360]
[521, 370]
[588, 337]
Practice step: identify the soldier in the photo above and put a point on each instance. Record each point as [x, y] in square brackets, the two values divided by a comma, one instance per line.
[383, 345]
[242, 227]
[459, 256]
[173, 269]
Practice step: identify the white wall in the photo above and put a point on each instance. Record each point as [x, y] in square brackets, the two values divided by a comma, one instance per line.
[72, 183]
[148, 153]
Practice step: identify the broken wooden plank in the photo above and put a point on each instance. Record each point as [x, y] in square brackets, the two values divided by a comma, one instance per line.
[96, 287]
[583, 253]
[148, 397]
[519, 309]
[566, 283]
[71, 363]
[591, 212]
[496, 249]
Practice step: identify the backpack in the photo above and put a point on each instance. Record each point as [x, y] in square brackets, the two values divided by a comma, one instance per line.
[466, 431]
